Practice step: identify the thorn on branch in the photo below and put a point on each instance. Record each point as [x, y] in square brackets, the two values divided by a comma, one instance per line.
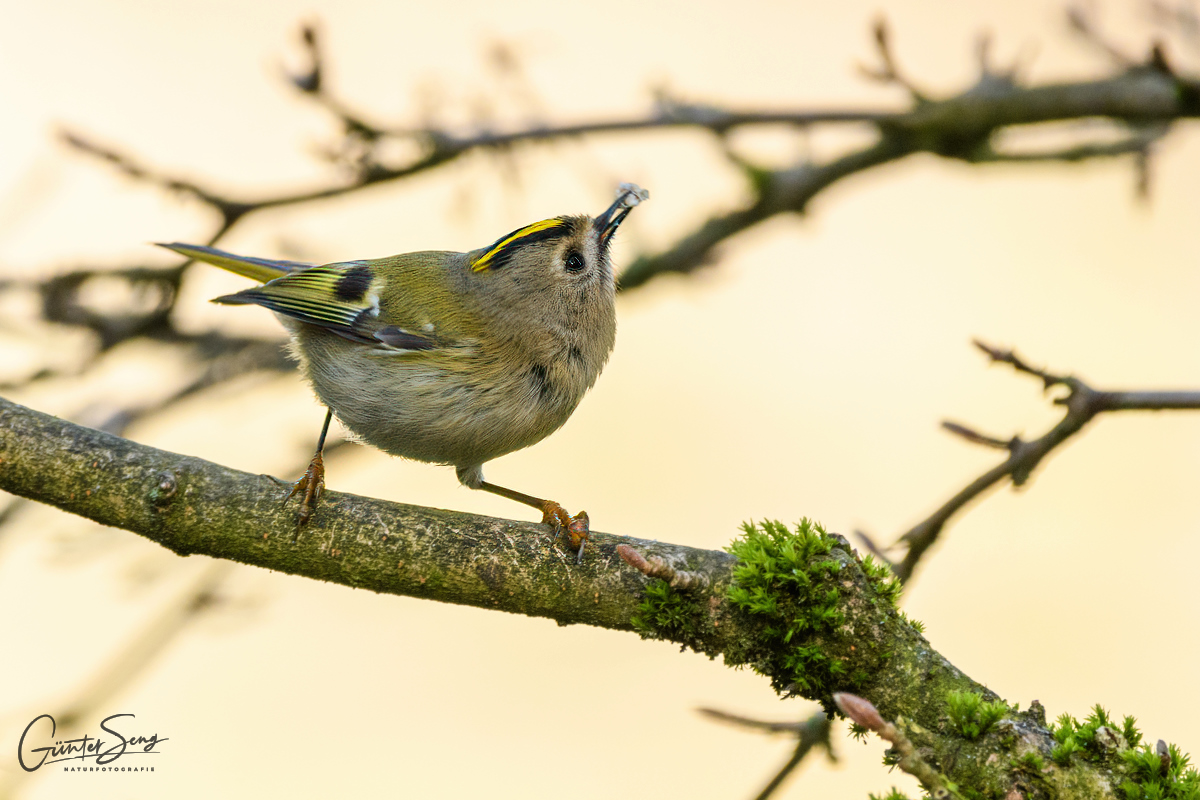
[655, 567]
[983, 54]
[1141, 171]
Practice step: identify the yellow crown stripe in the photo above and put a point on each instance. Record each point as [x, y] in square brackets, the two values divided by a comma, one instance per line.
[484, 260]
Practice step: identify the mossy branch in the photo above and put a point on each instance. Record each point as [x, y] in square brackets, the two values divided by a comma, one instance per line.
[841, 629]
[192, 506]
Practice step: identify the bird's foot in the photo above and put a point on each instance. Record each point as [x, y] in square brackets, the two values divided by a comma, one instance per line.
[309, 487]
[576, 529]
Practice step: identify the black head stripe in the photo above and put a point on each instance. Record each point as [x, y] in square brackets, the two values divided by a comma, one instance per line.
[501, 251]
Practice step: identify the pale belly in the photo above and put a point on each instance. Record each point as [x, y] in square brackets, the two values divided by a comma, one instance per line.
[438, 409]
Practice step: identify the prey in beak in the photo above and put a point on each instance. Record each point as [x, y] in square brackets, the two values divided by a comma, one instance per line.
[628, 196]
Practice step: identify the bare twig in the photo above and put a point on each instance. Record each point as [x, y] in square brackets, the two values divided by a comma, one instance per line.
[975, 437]
[655, 567]
[888, 71]
[738, 721]
[861, 712]
[231, 210]
[311, 82]
[1082, 404]
[1136, 145]
[810, 733]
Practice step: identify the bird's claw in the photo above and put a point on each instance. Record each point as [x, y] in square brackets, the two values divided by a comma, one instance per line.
[309, 487]
[577, 528]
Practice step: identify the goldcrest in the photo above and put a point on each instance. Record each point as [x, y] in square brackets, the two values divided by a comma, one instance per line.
[450, 358]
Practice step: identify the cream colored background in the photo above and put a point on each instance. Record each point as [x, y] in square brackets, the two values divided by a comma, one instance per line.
[805, 375]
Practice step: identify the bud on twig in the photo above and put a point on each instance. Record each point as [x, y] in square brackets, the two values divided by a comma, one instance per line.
[859, 710]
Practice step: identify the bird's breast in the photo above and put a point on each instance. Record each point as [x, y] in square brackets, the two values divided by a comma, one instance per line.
[459, 405]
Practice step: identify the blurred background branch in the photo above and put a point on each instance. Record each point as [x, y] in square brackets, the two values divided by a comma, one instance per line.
[1082, 404]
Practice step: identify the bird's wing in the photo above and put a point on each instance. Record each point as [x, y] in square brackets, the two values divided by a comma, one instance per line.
[259, 269]
[342, 298]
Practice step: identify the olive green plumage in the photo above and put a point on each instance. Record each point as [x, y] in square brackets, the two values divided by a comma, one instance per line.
[451, 358]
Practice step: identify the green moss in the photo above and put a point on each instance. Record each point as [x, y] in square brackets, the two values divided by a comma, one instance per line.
[1030, 762]
[894, 794]
[784, 612]
[1094, 737]
[1149, 775]
[1151, 779]
[1062, 752]
[1129, 729]
[887, 587]
[883, 579]
[915, 624]
[786, 584]
[665, 613]
[971, 715]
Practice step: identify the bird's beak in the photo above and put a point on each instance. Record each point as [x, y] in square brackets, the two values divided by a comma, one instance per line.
[628, 196]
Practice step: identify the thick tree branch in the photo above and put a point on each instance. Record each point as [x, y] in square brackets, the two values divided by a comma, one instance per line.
[193, 506]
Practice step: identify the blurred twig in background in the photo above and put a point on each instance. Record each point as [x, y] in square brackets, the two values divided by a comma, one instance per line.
[1082, 404]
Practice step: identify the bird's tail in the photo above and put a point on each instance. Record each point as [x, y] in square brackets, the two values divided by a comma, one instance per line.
[259, 269]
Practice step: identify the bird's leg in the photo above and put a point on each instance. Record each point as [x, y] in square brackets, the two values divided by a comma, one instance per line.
[576, 528]
[312, 484]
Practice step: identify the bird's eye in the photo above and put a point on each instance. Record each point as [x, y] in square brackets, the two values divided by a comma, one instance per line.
[574, 262]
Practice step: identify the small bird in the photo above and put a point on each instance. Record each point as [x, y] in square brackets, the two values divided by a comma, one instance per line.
[450, 358]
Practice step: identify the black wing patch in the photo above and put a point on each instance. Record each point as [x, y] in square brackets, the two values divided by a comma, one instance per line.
[316, 296]
[353, 285]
